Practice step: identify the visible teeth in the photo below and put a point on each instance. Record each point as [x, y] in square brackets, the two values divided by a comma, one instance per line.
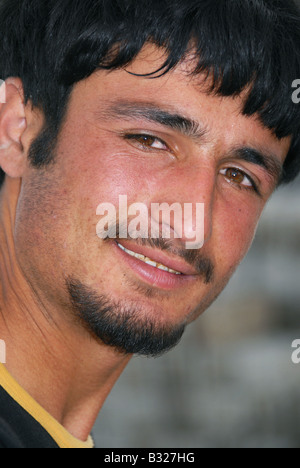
[149, 261]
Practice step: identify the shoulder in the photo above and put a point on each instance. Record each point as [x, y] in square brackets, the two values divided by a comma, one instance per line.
[18, 429]
[8, 437]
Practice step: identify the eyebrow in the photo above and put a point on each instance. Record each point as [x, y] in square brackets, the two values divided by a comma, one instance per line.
[193, 129]
[267, 161]
[151, 113]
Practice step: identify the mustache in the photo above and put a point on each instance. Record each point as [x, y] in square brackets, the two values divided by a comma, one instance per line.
[202, 264]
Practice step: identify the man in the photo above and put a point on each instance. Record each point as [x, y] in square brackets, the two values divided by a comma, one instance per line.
[170, 101]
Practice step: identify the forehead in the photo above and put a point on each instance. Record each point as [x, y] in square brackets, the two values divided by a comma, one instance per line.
[180, 93]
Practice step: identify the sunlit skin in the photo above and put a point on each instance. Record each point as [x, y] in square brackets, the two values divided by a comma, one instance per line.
[48, 220]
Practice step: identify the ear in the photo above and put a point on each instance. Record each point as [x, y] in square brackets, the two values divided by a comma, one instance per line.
[12, 128]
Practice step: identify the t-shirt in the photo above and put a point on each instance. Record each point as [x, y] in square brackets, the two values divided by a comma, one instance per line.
[25, 424]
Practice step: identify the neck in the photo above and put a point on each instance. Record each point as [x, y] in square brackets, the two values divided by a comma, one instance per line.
[55, 361]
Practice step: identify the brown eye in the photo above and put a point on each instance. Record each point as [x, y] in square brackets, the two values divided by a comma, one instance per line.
[147, 142]
[237, 176]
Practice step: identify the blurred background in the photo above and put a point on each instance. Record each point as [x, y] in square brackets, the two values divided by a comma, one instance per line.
[231, 381]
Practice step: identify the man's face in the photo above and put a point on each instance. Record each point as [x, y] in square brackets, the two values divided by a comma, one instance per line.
[154, 140]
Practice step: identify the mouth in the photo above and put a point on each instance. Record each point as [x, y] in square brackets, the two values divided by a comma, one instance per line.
[155, 268]
[149, 261]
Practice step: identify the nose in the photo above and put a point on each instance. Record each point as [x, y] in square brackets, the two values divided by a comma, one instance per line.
[190, 195]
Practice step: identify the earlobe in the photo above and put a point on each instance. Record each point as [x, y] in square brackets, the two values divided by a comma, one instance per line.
[12, 126]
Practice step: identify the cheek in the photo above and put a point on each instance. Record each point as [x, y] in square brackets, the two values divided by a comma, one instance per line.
[234, 230]
[97, 171]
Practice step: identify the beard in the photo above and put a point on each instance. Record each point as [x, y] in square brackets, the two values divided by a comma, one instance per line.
[121, 326]
[124, 326]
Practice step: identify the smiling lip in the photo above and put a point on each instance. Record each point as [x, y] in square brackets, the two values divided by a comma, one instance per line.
[154, 276]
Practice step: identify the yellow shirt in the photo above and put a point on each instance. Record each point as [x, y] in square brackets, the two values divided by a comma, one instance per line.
[58, 433]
